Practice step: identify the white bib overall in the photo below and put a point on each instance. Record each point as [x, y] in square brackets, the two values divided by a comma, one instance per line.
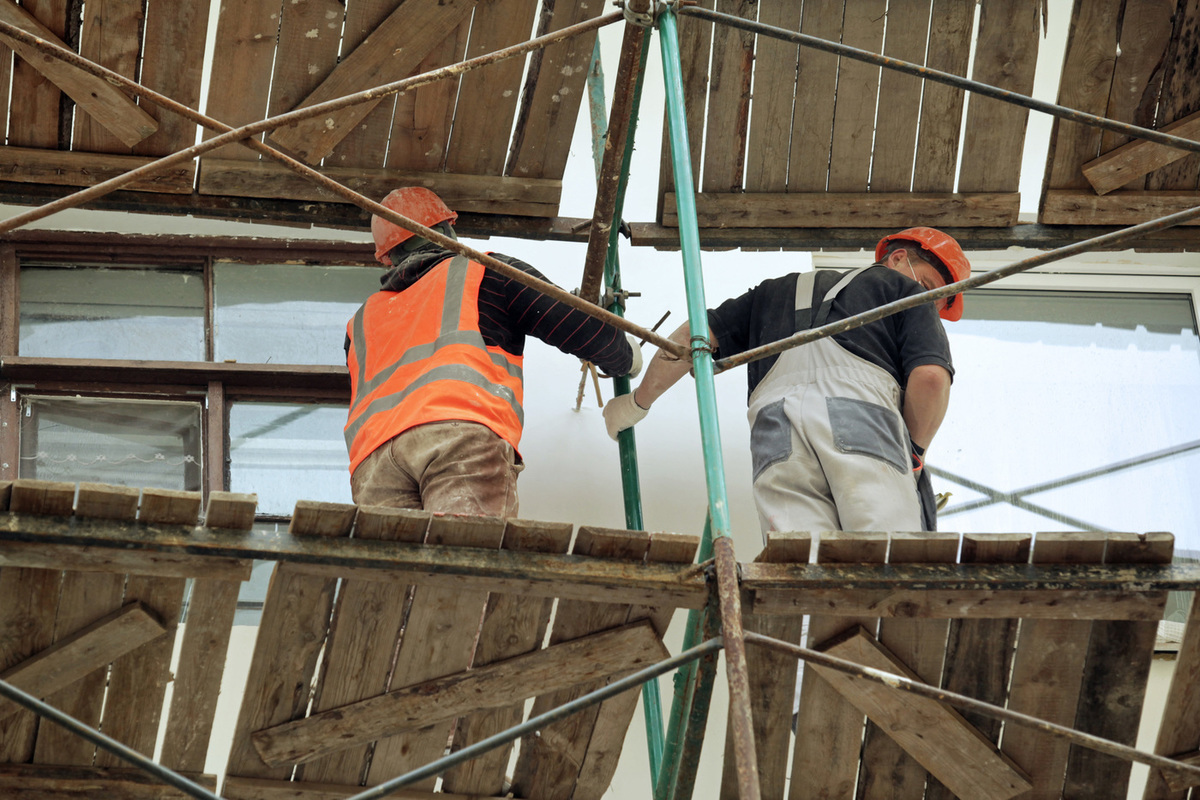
[830, 448]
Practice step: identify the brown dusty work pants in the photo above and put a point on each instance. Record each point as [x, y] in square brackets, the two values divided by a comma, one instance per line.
[448, 467]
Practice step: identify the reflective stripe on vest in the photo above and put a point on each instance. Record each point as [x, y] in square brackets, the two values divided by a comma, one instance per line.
[462, 280]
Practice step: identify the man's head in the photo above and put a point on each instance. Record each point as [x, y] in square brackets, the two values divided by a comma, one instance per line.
[931, 258]
[418, 204]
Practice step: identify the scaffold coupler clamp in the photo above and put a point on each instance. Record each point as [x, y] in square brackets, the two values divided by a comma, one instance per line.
[621, 297]
[639, 12]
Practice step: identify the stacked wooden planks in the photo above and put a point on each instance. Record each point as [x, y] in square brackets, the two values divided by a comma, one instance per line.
[1080, 661]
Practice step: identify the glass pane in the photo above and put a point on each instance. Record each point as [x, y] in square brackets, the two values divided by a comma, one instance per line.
[1073, 411]
[286, 452]
[93, 312]
[125, 442]
[286, 314]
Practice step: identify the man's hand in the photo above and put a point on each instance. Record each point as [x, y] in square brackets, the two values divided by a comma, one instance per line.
[636, 367]
[621, 413]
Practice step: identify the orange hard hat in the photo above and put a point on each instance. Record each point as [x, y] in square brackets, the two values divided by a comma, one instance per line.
[948, 252]
[415, 202]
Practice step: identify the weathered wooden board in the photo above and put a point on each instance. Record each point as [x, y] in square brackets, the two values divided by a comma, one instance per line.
[106, 559]
[48, 498]
[1048, 671]
[934, 734]
[774, 96]
[1180, 96]
[829, 730]
[423, 116]
[259, 789]
[849, 210]
[941, 105]
[34, 101]
[1137, 78]
[56, 782]
[513, 625]
[1130, 162]
[309, 34]
[887, 769]
[174, 40]
[28, 602]
[728, 100]
[816, 87]
[245, 47]
[857, 95]
[900, 97]
[71, 168]
[1083, 207]
[111, 36]
[1179, 730]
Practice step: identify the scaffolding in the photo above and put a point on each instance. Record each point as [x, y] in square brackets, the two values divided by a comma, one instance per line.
[714, 591]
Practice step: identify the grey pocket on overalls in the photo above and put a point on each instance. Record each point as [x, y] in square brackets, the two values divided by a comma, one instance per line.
[770, 437]
[868, 429]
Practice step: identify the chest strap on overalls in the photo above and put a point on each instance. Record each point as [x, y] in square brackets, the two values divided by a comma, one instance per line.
[807, 296]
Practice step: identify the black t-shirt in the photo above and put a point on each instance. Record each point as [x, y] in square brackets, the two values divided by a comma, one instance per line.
[898, 343]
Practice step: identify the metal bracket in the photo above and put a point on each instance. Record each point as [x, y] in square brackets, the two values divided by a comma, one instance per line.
[640, 12]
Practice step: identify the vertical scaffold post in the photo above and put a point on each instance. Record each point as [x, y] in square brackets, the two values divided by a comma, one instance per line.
[745, 758]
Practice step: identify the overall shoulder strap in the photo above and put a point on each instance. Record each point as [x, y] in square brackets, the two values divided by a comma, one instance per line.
[813, 304]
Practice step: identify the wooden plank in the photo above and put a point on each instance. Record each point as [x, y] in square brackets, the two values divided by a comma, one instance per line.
[1006, 55]
[1047, 672]
[1083, 207]
[849, 210]
[774, 95]
[367, 622]
[79, 653]
[104, 501]
[609, 653]
[423, 117]
[167, 507]
[235, 788]
[1145, 35]
[393, 51]
[231, 510]
[295, 621]
[173, 66]
[309, 34]
[1180, 783]
[829, 730]
[1130, 162]
[936, 735]
[857, 94]
[808, 161]
[28, 603]
[549, 761]
[950, 31]
[47, 498]
[1180, 96]
[111, 36]
[612, 722]
[899, 109]
[532, 197]
[1114, 678]
[887, 769]
[34, 100]
[439, 638]
[53, 782]
[695, 40]
[772, 678]
[513, 625]
[1179, 729]
[5, 493]
[552, 94]
[979, 652]
[728, 100]
[488, 96]
[67, 168]
[1085, 85]
[81, 558]
[245, 46]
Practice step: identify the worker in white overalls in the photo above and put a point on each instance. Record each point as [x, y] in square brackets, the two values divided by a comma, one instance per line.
[839, 427]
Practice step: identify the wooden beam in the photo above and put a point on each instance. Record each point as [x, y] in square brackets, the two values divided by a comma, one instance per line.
[105, 103]
[848, 209]
[1181, 783]
[77, 168]
[965, 604]
[82, 558]
[481, 194]
[390, 53]
[236, 788]
[936, 735]
[82, 652]
[1179, 729]
[1084, 207]
[50, 782]
[1138, 158]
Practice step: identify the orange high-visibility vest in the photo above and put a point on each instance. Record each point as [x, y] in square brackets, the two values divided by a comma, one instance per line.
[417, 356]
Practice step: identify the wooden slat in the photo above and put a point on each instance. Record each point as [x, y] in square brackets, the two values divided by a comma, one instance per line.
[1047, 671]
[167, 507]
[887, 770]
[439, 638]
[34, 101]
[81, 558]
[849, 210]
[48, 498]
[513, 625]
[808, 161]
[979, 652]
[1114, 678]
[549, 762]
[52, 782]
[1181, 783]
[1006, 55]
[1128, 163]
[245, 47]
[231, 510]
[857, 93]
[111, 36]
[394, 50]
[259, 789]
[1137, 78]
[1083, 207]
[695, 40]
[829, 730]
[900, 97]
[28, 602]
[1179, 730]
[309, 34]
[295, 620]
[772, 678]
[488, 97]
[941, 105]
[103, 501]
[774, 95]
[173, 66]
[422, 120]
[934, 734]
[66, 168]
[533, 197]
[1085, 85]
[366, 624]
[1180, 96]
[728, 100]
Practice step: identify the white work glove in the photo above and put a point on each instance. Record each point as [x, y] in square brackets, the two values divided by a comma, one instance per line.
[636, 367]
[621, 413]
